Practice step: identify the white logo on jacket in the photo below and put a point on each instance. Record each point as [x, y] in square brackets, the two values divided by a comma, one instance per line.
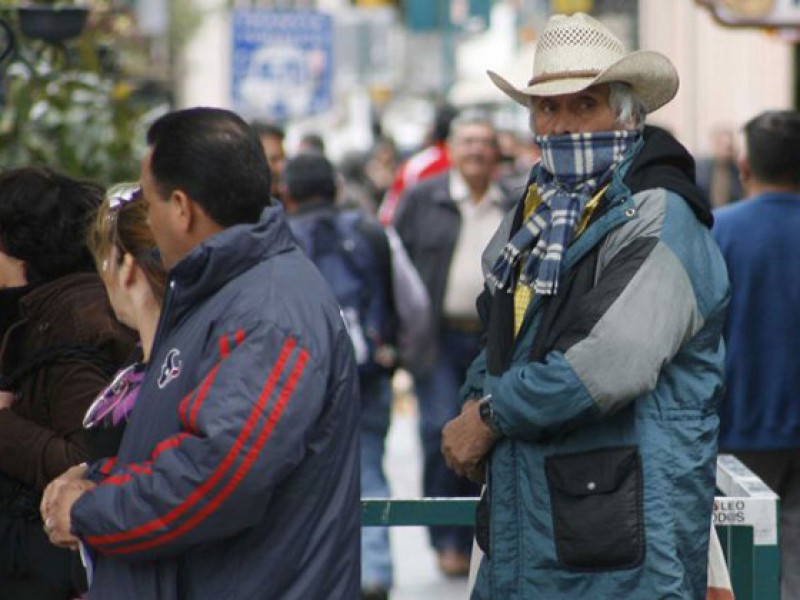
[170, 369]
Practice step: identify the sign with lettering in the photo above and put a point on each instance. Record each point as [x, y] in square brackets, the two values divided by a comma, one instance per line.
[282, 63]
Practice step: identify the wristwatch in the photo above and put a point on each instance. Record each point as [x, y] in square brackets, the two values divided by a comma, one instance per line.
[486, 412]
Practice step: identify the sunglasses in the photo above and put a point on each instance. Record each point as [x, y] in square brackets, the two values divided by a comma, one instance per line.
[119, 196]
[123, 194]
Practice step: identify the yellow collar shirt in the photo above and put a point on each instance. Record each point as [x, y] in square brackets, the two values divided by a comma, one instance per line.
[523, 294]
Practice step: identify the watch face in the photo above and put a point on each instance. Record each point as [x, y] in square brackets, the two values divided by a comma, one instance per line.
[748, 8]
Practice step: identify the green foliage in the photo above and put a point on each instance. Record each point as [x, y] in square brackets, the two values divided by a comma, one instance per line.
[61, 107]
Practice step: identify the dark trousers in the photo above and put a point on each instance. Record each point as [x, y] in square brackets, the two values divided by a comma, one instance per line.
[30, 566]
[439, 402]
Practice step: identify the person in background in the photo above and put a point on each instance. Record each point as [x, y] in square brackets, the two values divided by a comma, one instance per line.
[311, 143]
[238, 473]
[760, 412]
[366, 177]
[353, 254]
[432, 160]
[518, 155]
[272, 137]
[718, 175]
[590, 413]
[381, 166]
[60, 345]
[444, 223]
[355, 190]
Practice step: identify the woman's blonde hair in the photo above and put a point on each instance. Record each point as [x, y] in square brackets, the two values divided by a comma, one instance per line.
[121, 222]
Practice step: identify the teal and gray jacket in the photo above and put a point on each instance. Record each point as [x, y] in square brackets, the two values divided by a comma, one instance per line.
[602, 480]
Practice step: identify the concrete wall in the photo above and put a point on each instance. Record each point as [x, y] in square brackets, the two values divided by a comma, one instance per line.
[727, 75]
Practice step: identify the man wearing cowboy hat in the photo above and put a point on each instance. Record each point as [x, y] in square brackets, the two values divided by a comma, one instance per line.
[591, 412]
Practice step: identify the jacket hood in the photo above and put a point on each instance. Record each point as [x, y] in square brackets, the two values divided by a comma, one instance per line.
[664, 162]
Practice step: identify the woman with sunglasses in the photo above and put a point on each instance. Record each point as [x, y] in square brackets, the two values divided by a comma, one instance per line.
[60, 344]
[130, 266]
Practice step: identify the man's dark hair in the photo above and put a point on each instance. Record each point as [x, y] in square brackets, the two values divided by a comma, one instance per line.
[214, 157]
[313, 143]
[267, 129]
[772, 139]
[441, 122]
[44, 217]
[310, 177]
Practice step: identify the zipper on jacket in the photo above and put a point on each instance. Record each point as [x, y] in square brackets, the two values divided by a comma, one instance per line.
[164, 318]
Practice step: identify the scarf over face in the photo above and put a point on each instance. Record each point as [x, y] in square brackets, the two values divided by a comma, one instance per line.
[573, 168]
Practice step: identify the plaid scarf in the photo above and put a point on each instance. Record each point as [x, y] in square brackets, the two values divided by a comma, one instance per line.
[574, 167]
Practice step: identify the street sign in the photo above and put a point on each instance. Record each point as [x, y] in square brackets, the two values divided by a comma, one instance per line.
[755, 13]
[282, 63]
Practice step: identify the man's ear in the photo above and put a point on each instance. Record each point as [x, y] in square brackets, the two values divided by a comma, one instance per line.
[183, 211]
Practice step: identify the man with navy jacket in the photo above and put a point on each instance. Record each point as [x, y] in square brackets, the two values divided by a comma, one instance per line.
[238, 474]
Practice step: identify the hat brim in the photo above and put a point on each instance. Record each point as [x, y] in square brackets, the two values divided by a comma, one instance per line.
[651, 75]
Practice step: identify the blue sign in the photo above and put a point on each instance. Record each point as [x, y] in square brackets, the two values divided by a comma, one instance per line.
[282, 63]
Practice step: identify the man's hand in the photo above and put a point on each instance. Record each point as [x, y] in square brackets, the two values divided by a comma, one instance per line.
[466, 440]
[6, 399]
[56, 507]
[76, 473]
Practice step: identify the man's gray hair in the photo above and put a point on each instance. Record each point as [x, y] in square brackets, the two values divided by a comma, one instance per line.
[628, 108]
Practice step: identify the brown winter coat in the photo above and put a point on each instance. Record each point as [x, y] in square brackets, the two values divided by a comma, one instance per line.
[42, 435]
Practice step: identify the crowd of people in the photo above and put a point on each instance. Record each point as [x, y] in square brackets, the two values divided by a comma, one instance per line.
[196, 368]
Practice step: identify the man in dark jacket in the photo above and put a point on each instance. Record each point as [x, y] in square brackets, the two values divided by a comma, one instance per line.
[445, 222]
[353, 254]
[591, 412]
[238, 474]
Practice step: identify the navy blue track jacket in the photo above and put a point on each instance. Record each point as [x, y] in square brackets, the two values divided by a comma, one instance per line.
[238, 475]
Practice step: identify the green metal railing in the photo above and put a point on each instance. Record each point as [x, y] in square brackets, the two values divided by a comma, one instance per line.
[745, 516]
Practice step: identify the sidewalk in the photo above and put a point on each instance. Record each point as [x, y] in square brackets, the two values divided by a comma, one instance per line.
[416, 574]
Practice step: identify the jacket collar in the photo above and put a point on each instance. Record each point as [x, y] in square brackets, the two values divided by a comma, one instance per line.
[226, 255]
[46, 296]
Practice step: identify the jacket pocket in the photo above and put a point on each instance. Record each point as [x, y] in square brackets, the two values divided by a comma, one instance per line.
[597, 507]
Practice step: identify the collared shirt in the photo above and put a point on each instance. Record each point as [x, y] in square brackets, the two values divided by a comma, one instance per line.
[479, 222]
[523, 294]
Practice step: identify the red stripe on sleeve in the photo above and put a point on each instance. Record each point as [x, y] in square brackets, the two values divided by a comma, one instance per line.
[145, 468]
[183, 409]
[201, 395]
[224, 347]
[241, 472]
[225, 352]
[108, 464]
[170, 442]
[220, 472]
[117, 479]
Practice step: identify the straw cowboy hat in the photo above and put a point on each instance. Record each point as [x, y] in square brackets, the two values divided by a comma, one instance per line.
[576, 52]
